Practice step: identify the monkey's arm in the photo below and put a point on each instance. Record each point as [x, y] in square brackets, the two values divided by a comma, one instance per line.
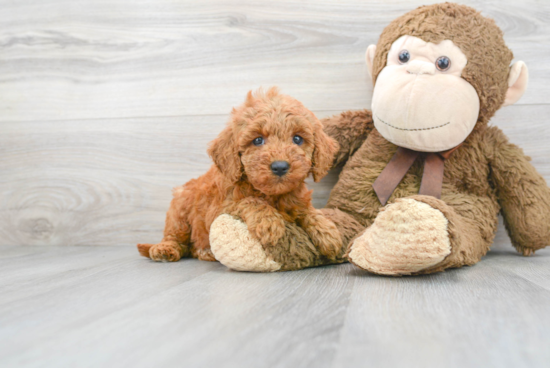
[349, 129]
[523, 195]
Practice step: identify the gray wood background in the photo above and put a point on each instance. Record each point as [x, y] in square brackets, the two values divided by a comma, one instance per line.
[105, 105]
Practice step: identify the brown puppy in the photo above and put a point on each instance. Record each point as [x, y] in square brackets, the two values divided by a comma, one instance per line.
[261, 159]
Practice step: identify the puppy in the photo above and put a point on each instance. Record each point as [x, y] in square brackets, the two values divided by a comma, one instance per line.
[261, 159]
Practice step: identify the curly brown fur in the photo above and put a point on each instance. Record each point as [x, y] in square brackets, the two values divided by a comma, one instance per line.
[295, 250]
[350, 129]
[242, 183]
[485, 176]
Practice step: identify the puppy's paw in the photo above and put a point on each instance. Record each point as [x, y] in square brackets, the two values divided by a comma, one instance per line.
[165, 252]
[268, 230]
[204, 255]
[326, 237]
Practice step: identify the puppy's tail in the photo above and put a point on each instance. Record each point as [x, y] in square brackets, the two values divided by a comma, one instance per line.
[143, 249]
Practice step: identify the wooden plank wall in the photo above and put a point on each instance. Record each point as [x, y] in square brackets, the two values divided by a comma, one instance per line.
[107, 105]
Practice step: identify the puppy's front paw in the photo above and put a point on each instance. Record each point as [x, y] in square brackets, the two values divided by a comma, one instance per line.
[326, 237]
[204, 254]
[165, 252]
[268, 230]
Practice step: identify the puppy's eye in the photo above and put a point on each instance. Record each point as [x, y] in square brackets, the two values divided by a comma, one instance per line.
[443, 63]
[404, 56]
[298, 140]
[258, 141]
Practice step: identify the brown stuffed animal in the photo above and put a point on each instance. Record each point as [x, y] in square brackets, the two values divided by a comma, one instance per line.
[269, 147]
[440, 74]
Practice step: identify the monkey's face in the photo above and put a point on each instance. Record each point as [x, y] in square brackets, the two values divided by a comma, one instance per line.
[420, 100]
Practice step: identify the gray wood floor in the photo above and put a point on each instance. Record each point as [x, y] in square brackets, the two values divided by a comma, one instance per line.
[105, 105]
[105, 307]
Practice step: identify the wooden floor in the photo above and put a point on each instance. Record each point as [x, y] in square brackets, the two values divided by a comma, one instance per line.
[107, 307]
[105, 105]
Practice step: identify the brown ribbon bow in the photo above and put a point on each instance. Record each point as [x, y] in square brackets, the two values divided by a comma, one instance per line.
[399, 165]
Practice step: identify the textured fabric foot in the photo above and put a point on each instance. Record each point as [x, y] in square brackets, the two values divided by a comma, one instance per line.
[406, 237]
[234, 247]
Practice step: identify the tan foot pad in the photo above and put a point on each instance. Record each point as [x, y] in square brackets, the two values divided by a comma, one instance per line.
[407, 237]
[234, 247]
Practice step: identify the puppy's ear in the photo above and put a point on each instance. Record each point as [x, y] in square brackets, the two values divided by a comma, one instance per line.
[323, 154]
[225, 153]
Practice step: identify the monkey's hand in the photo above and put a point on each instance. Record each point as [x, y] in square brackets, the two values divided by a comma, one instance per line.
[350, 129]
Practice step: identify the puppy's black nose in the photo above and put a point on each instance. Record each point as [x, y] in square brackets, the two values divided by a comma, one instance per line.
[280, 168]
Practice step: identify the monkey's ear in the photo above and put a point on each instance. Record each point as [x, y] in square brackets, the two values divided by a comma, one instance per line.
[225, 153]
[369, 57]
[323, 153]
[517, 82]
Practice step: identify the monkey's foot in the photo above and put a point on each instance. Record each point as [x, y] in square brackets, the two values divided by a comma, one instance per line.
[406, 237]
[234, 246]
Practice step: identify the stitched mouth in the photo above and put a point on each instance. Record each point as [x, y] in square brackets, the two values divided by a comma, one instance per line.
[412, 130]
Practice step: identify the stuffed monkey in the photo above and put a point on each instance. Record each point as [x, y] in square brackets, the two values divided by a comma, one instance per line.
[425, 175]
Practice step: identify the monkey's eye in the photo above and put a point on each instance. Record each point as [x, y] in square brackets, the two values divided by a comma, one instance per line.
[404, 56]
[258, 141]
[443, 63]
[298, 140]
